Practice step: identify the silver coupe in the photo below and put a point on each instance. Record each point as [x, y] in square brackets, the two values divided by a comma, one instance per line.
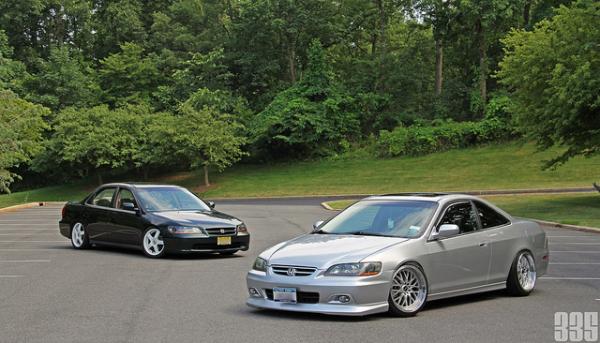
[395, 252]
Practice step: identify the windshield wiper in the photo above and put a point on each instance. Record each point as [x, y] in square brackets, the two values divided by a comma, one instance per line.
[320, 232]
[367, 233]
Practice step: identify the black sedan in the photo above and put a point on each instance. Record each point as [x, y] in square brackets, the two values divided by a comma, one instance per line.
[159, 219]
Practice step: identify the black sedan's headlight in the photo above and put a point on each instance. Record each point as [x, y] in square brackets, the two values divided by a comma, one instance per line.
[184, 230]
[242, 229]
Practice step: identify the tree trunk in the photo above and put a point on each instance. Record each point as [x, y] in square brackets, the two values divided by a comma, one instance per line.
[292, 61]
[526, 13]
[439, 67]
[145, 172]
[482, 65]
[206, 183]
[100, 181]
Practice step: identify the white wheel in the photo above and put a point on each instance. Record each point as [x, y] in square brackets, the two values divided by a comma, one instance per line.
[408, 292]
[153, 243]
[79, 239]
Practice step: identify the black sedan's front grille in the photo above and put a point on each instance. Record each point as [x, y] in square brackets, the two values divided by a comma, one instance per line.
[221, 231]
[302, 297]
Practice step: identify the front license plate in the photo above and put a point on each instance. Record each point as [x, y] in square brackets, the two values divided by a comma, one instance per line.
[223, 240]
[285, 295]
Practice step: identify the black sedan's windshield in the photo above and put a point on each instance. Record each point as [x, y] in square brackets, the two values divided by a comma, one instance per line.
[155, 199]
[383, 218]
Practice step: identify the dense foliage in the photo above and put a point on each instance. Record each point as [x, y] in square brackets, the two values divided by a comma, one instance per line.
[419, 140]
[136, 86]
[554, 75]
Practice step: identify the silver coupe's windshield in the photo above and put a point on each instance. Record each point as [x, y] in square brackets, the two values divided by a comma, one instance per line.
[382, 218]
[155, 199]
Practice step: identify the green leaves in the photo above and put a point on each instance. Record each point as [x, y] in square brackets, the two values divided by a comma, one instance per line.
[554, 77]
[21, 127]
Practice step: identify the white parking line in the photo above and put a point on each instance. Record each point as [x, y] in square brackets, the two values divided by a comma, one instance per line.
[575, 252]
[36, 224]
[24, 261]
[30, 249]
[575, 236]
[28, 233]
[574, 263]
[569, 278]
[10, 276]
[573, 243]
[32, 241]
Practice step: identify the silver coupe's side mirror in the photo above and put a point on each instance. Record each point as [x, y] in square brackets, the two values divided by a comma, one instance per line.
[446, 230]
[317, 224]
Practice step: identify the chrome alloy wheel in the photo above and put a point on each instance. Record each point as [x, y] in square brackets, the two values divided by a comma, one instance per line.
[526, 271]
[78, 235]
[153, 243]
[409, 288]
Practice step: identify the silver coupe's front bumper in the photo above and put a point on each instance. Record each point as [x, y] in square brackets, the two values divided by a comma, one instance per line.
[320, 294]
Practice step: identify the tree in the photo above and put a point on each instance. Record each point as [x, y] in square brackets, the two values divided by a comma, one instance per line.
[311, 118]
[21, 131]
[63, 80]
[98, 139]
[128, 76]
[199, 138]
[11, 72]
[553, 73]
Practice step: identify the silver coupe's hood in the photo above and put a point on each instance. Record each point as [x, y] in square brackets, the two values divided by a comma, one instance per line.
[322, 251]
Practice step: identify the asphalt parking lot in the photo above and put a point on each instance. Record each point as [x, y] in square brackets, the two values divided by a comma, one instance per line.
[51, 293]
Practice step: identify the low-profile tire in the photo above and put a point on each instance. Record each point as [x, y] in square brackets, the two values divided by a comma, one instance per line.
[79, 236]
[408, 291]
[522, 276]
[228, 253]
[152, 243]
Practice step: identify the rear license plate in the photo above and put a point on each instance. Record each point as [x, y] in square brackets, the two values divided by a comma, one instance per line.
[223, 240]
[285, 295]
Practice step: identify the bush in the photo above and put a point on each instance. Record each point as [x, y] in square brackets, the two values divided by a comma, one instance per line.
[420, 140]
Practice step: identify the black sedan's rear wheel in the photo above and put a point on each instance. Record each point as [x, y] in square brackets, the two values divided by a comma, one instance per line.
[153, 244]
[79, 237]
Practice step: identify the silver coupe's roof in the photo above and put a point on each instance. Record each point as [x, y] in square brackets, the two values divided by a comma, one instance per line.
[435, 197]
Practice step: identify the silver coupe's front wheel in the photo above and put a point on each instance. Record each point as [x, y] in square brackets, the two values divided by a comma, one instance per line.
[153, 244]
[408, 292]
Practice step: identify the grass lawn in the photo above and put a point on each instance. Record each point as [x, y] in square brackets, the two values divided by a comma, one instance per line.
[575, 209]
[501, 166]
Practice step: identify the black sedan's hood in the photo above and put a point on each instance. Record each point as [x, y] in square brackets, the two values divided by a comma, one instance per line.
[199, 218]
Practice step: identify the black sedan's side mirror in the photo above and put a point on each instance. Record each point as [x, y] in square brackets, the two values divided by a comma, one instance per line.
[129, 206]
[211, 204]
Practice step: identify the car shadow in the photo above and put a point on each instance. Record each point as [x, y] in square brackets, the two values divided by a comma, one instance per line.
[169, 257]
[430, 307]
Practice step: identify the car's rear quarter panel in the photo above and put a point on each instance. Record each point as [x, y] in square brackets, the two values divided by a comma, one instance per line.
[73, 212]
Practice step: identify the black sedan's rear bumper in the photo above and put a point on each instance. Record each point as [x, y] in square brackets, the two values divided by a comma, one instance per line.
[208, 244]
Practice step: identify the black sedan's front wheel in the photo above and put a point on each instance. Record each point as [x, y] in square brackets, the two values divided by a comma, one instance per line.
[79, 237]
[153, 244]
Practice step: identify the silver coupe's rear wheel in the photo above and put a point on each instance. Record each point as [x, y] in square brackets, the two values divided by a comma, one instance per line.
[408, 292]
[523, 276]
[153, 244]
[79, 238]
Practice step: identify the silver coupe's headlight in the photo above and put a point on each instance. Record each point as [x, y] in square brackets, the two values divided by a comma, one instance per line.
[180, 230]
[355, 269]
[260, 264]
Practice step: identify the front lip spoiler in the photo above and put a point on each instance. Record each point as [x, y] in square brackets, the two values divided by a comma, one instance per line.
[330, 309]
[214, 250]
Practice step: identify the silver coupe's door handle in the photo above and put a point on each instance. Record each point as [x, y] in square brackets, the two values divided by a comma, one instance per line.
[483, 244]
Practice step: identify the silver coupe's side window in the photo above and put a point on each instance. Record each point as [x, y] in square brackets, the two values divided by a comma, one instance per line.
[488, 217]
[461, 214]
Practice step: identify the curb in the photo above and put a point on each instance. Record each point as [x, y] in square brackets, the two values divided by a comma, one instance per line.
[472, 192]
[567, 226]
[30, 205]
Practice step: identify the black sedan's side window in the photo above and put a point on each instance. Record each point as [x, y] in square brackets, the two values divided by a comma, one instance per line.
[488, 217]
[125, 196]
[104, 197]
[461, 214]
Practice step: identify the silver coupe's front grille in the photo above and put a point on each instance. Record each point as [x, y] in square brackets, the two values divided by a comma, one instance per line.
[293, 270]
[221, 231]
